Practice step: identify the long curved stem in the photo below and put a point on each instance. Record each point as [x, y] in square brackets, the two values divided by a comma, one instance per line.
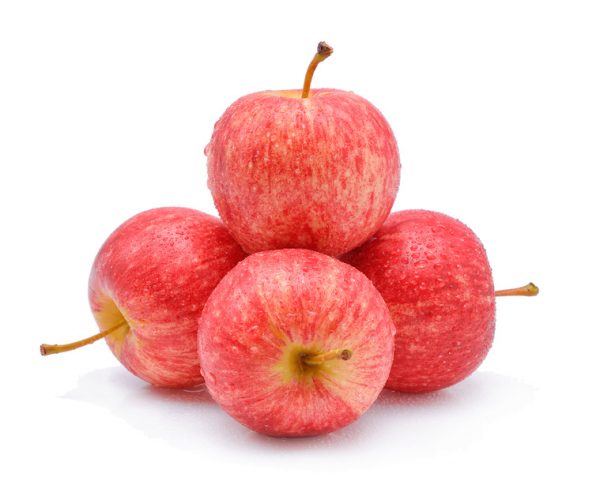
[528, 290]
[46, 349]
[323, 52]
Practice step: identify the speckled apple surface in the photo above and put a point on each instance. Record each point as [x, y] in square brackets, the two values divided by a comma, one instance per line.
[155, 272]
[434, 275]
[319, 173]
[271, 310]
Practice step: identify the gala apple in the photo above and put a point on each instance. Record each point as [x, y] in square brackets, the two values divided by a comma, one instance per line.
[314, 169]
[148, 286]
[434, 275]
[295, 343]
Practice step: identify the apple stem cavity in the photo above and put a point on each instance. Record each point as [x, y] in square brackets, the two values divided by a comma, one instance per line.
[319, 359]
[529, 290]
[323, 52]
[46, 349]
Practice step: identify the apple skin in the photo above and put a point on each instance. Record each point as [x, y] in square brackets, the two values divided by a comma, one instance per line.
[434, 275]
[320, 173]
[156, 271]
[269, 311]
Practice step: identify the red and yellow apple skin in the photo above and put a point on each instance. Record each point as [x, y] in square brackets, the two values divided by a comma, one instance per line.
[272, 310]
[154, 274]
[434, 275]
[320, 172]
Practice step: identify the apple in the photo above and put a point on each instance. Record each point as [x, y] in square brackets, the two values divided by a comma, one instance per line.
[316, 169]
[295, 343]
[148, 285]
[434, 275]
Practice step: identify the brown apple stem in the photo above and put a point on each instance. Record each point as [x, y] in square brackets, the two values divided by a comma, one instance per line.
[318, 359]
[528, 290]
[323, 52]
[46, 349]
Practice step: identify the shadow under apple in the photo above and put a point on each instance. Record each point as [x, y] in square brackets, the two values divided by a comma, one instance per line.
[407, 424]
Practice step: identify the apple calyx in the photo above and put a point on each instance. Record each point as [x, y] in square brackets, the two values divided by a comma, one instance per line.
[323, 52]
[318, 359]
[529, 290]
[46, 349]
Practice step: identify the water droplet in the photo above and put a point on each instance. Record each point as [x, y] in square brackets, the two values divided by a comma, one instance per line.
[420, 264]
[437, 267]
[429, 256]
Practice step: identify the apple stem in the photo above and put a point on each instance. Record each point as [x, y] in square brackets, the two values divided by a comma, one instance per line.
[46, 349]
[528, 290]
[323, 52]
[318, 359]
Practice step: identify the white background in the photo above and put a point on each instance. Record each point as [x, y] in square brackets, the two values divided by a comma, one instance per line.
[105, 108]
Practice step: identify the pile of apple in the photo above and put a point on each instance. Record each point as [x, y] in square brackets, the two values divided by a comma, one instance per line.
[309, 297]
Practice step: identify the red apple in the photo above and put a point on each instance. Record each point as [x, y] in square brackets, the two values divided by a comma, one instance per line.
[317, 170]
[434, 275]
[295, 343]
[147, 288]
